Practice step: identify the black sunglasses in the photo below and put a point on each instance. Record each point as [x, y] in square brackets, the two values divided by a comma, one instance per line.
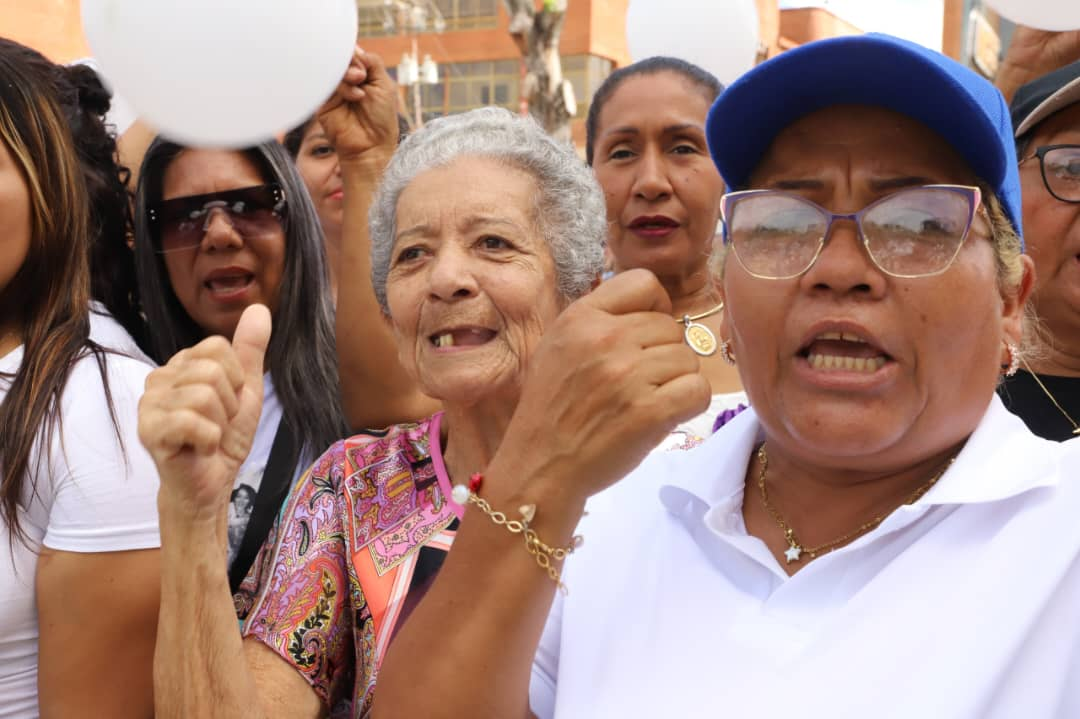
[181, 223]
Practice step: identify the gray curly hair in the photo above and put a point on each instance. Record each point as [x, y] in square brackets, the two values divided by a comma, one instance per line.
[570, 204]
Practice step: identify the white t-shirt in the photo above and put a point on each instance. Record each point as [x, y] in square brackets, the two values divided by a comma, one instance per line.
[96, 498]
[963, 605]
[249, 478]
[107, 332]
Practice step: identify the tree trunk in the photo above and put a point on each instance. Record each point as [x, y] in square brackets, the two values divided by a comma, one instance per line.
[536, 33]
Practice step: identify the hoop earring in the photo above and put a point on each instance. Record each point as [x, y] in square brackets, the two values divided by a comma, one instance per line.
[725, 352]
[1014, 359]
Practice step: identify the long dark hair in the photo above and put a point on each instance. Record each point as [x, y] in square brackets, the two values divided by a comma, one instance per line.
[49, 296]
[702, 79]
[301, 358]
[84, 102]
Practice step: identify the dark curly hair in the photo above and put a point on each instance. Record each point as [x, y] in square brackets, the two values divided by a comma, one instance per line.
[85, 101]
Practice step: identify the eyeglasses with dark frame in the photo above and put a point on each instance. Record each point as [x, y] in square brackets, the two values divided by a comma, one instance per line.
[914, 232]
[1060, 168]
[253, 212]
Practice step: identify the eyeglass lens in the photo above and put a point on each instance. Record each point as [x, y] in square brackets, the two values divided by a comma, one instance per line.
[252, 212]
[910, 233]
[1061, 172]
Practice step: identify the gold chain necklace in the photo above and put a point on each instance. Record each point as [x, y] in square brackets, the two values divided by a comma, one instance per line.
[795, 548]
[1034, 376]
[699, 337]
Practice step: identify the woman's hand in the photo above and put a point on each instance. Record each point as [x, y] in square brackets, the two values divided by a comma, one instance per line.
[361, 115]
[1033, 53]
[611, 377]
[198, 416]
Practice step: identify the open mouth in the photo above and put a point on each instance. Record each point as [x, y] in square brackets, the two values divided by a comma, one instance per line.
[844, 352]
[462, 337]
[226, 284]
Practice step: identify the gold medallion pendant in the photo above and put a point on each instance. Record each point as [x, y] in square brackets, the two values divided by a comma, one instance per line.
[700, 338]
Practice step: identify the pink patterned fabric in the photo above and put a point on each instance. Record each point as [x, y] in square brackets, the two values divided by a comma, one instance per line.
[358, 542]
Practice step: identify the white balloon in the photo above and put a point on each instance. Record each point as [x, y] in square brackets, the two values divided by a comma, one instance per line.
[1042, 14]
[225, 73]
[720, 36]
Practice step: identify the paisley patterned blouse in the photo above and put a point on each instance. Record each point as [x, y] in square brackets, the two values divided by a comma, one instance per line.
[355, 548]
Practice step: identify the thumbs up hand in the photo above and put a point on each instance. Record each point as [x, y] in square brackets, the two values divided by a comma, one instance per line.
[198, 414]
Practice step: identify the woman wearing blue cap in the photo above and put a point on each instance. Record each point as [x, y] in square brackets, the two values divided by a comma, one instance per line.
[877, 535]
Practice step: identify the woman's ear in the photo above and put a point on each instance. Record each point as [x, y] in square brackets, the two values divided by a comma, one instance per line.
[1015, 301]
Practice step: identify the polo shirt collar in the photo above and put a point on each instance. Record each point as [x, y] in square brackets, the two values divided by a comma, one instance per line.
[713, 474]
[1001, 459]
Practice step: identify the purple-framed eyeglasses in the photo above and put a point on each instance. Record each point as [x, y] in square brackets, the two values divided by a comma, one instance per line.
[914, 232]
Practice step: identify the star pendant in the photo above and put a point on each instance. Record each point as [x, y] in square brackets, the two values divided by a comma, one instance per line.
[792, 553]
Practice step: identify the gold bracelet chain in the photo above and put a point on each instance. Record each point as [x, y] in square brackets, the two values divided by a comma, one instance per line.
[544, 554]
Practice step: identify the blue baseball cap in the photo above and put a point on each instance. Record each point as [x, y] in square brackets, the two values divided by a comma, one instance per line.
[873, 69]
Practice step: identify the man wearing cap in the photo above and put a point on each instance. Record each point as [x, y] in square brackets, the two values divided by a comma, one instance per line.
[1045, 392]
[877, 536]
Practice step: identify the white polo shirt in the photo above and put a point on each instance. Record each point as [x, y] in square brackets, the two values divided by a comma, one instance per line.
[965, 604]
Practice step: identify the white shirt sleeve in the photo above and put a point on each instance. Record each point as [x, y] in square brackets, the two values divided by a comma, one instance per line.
[104, 490]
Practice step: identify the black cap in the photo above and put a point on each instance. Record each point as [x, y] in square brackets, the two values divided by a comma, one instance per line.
[1041, 98]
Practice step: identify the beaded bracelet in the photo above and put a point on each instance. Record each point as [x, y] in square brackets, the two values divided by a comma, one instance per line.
[542, 552]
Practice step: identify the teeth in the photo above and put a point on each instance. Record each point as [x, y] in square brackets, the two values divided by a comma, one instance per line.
[227, 283]
[843, 336]
[850, 364]
[444, 340]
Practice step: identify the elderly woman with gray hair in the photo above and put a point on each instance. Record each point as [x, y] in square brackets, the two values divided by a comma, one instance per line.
[483, 231]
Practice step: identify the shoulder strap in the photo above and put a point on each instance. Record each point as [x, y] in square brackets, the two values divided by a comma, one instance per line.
[280, 468]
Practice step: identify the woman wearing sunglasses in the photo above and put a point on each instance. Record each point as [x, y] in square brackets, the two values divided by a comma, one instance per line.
[217, 231]
[877, 535]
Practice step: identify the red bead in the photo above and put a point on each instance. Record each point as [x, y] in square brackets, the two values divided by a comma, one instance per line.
[475, 481]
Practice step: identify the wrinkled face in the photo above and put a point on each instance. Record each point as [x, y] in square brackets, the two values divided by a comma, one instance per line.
[1052, 232]
[15, 220]
[216, 280]
[318, 165]
[471, 285]
[932, 346]
[661, 187]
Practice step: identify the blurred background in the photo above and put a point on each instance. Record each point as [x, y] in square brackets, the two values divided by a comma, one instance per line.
[454, 55]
